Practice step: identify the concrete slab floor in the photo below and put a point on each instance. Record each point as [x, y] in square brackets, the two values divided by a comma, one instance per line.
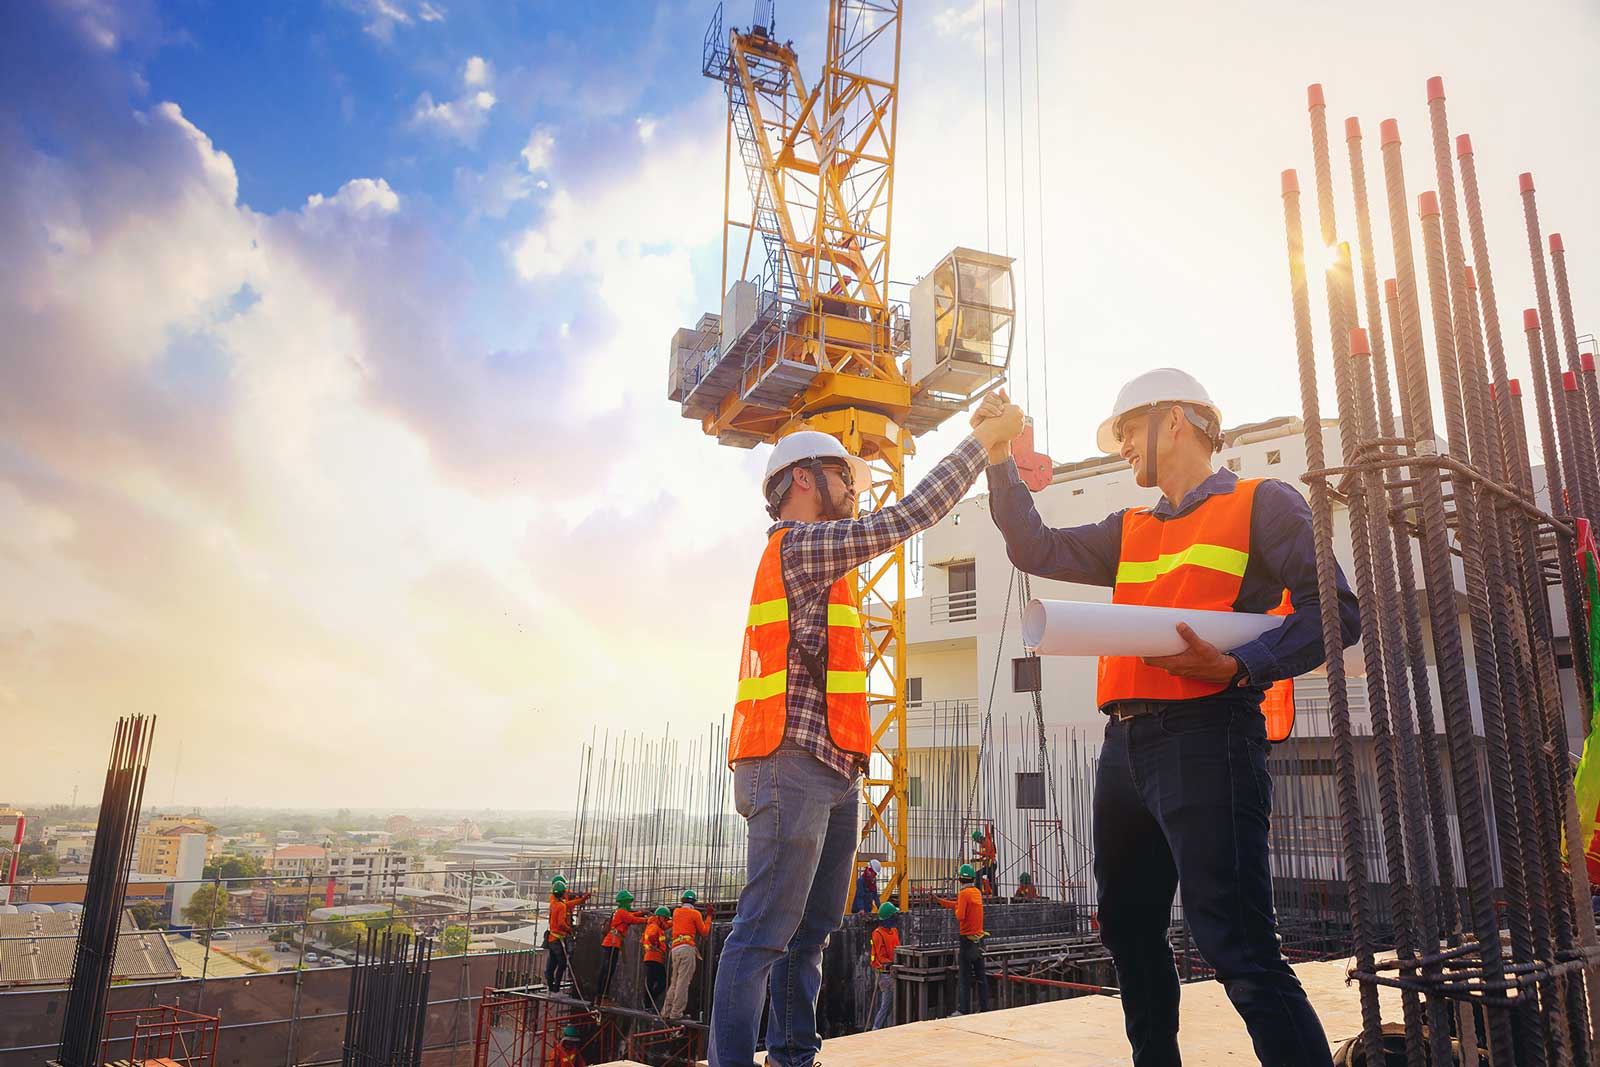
[1087, 1031]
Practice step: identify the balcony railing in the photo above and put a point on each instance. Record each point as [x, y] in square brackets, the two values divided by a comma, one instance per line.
[953, 607]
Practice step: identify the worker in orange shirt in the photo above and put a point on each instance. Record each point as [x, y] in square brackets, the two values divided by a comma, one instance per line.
[885, 940]
[1026, 890]
[611, 944]
[968, 906]
[988, 859]
[654, 943]
[688, 926]
[557, 938]
[567, 1054]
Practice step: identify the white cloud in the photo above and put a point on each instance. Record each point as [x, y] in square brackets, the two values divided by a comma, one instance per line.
[461, 119]
[380, 17]
[359, 196]
[477, 71]
[536, 153]
[645, 127]
[492, 192]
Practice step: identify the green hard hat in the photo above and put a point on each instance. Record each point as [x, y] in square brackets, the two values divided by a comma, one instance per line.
[1025, 878]
[624, 898]
[967, 872]
[689, 897]
[886, 910]
[664, 912]
[977, 835]
[558, 882]
[570, 1033]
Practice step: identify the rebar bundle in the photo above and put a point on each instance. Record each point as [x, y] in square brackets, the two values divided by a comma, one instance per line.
[84, 1019]
[1456, 980]
[388, 1006]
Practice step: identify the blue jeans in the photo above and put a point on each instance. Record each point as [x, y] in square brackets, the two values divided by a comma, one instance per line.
[803, 821]
[883, 1013]
[1181, 801]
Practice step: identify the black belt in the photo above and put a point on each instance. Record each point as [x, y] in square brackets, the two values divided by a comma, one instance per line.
[1123, 710]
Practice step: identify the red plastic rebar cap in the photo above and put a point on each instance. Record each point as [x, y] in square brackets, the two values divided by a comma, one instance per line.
[1389, 132]
[1291, 182]
[1359, 345]
[1472, 279]
[1586, 361]
[1352, 128]
[1525, 181]
[1428, 204]
[1391, 289]
[1556, 245]
[1463, 145]
[1314, 96]
[1530, 318]
[1516, 386]
[1569, 381]
[1435, 88]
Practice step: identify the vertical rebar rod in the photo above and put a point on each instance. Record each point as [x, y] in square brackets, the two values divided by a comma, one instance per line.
[1510, 776]
[1439, 581]
[1328, 595]
[1585, 441]
[1579, 489]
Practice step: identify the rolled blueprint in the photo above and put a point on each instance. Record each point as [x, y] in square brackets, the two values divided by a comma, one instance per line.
[1071, 628]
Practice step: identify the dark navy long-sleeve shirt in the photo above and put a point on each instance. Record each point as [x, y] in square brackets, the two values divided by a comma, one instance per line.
[1281, 557]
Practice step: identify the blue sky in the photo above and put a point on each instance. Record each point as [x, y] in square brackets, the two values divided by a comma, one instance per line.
[332, 373]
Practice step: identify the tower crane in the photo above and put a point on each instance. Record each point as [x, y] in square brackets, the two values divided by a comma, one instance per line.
[812, 333]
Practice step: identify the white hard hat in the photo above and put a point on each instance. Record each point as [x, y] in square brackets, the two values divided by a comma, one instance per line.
[877, 868]
[1164, 385]
[813, 444]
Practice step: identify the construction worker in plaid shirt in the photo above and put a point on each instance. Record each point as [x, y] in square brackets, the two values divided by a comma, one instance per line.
[801, 732]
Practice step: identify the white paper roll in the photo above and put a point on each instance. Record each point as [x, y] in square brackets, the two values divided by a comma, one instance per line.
[1071, 628]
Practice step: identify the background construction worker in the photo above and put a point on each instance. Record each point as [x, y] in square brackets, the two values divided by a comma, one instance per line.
[970, 970]
[558, 937]
[616, 934]
[654, 943]
[987, 860]
[867, 898]
[1182, 794]
[801, 732]
[567, 1054]
[885, 940]
[688, 926]
[1026, 890]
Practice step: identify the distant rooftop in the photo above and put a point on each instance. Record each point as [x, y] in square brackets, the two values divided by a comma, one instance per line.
[37, 949]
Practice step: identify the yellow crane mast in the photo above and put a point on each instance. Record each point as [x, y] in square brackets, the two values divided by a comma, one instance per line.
[809, 335]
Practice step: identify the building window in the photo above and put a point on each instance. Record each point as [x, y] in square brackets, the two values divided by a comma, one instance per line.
[1234, 464]
[1025, 675]
[963, 591]
[913, 691]
[1030, 790]
[1274, 457]
[914, 791]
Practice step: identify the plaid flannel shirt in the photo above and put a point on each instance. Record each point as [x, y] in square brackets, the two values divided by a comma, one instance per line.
[817, 554]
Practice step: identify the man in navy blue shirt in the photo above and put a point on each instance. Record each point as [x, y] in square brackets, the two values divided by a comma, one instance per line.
[1182, 794]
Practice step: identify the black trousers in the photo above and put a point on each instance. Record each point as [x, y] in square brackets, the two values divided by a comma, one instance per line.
[608, 968]
[655, 984]
[970, 972]
[555, 964]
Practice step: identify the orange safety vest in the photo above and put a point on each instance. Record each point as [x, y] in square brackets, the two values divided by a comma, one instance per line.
[1196, 560]
[884, 943]
[568, 1057]
[654, 941]
[761, 708]
[621, 919]
[687, 925]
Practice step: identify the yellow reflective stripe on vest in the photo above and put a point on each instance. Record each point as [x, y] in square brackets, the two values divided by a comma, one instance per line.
[766, 686]
[847, 681]
[1211, 557]
[843, 615]
[769, 611]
